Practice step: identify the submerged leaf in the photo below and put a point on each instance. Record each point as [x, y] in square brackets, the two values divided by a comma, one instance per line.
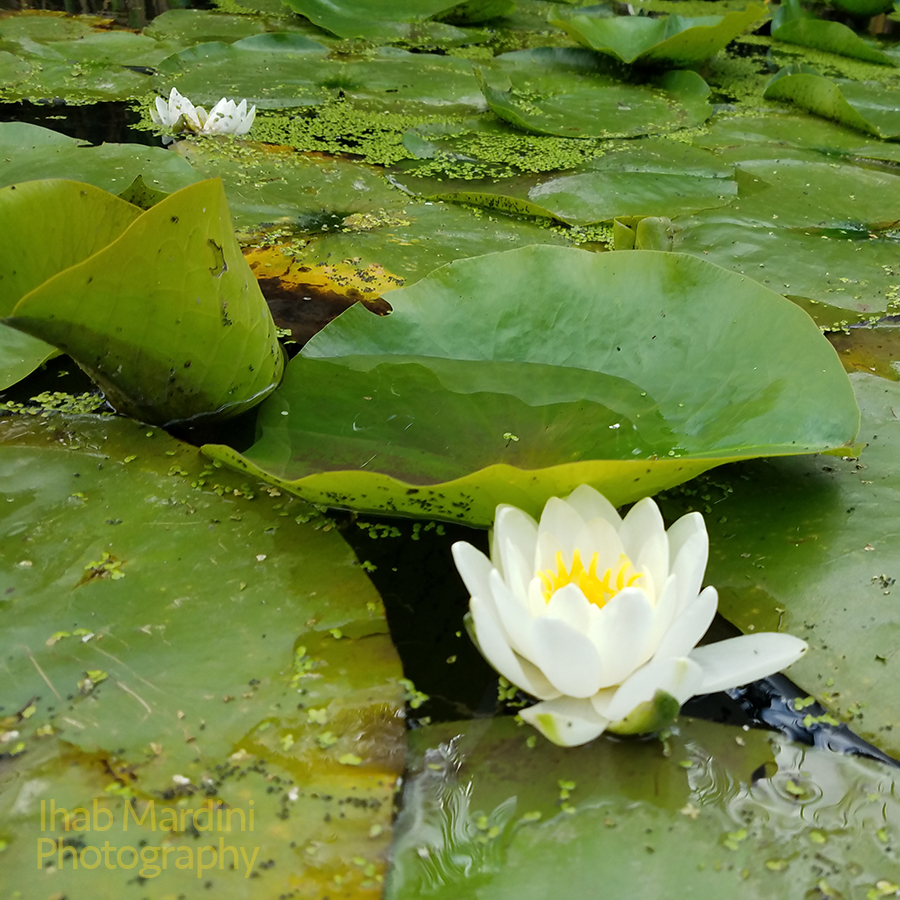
[161, 310]
[516, 376]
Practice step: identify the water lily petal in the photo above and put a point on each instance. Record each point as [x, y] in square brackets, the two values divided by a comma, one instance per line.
[621, 633]
[537, 602]
[247, 123]
[600, 537]
[591, 504]
[688, 627]
[689, 551]
[546, 548]
[513, 546]
[565, 721]
[736, 661]
[642, 522]
[474, 568]
[494, 646]
[561, 520]
[567, 657]
[653, 560]
[681, 677]
[664, 612]
[570, 605]
[514, 615]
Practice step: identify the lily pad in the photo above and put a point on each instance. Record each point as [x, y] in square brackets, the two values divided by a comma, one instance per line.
[570, 93]
[795, 532]
[713, 811]
[29, 153]
[287, 70]
[244, 69]
[789, 212]
[667, 40]
[166, 317]
[25, 265]
[372, 19]
[519, 421]
[868, 107]
[792, 24]
[775, 130]
[646, 178]
[255, 677]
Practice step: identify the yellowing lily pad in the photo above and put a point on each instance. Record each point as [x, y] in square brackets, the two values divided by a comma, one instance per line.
[449, 406]
[162, 310]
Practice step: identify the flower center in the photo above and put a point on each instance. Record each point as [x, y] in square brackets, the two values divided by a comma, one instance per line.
[599, 589]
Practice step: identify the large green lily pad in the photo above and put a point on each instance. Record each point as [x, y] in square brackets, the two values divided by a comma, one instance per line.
[161, 309]
[868, 107]
[667, 40]
[174, 636]
[811, 546]
[571, 93]
[449, 405]
[712, 812]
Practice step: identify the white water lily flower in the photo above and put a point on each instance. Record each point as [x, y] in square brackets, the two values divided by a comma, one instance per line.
[226, 117]
[599, 616]
[178, 112]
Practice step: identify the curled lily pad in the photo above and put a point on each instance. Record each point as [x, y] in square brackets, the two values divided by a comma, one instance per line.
[667, 40]
[571, 93]
[28, 152]
[160, 307]
[867, 107]
[794, 25]
[651, 368]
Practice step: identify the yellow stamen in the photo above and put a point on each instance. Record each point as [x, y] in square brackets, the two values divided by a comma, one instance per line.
[599, 590]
